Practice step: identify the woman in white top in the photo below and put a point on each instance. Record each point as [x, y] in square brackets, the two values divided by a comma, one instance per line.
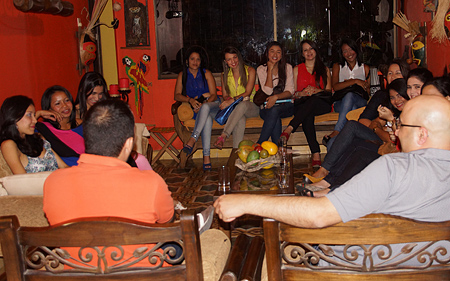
[347, 72]
[275, 73]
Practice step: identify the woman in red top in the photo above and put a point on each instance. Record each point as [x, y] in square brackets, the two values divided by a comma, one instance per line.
[311, 77]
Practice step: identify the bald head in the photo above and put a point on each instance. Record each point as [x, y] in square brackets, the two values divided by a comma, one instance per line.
[432, 113]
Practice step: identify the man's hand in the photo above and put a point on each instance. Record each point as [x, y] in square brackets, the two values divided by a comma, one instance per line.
[230, 207]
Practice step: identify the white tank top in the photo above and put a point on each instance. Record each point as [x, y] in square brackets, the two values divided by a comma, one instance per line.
[345, 73]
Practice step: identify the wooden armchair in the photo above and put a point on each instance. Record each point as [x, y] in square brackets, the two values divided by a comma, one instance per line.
[34, 253]
[291, 255]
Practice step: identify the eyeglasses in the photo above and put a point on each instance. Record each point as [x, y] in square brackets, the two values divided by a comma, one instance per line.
[400, 124]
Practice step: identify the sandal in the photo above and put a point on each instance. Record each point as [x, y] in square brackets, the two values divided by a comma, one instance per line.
[308, 179]
[219, 142]
[303, 191]
[284, 134]
[207, 167]
[187, 149]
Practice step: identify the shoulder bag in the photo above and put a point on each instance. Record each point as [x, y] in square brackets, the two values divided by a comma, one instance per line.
[223, 114]
[355, 88]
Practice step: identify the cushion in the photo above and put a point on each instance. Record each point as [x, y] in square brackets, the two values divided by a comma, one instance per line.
[25, 184]
[4, 168]
[185, 112]
[354, 114]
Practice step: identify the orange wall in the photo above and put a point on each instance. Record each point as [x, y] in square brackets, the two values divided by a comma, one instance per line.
[157, 103]
[438, 55]
[37, 50]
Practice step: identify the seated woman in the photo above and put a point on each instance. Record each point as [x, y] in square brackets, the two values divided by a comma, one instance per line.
[311, 77]
[416, 78]
[92, 88]
[361, 130]
[398, 68]
[238, 80]
[65, 134]
[276, 81]
[347, 72]
[362, 153]
[24, 150]
[194, 85]
[437, 86]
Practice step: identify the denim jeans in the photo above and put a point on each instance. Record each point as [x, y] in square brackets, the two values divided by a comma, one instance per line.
[351, 101]
[352, 131]
[357, 157]
[272, 121]
[203, 124]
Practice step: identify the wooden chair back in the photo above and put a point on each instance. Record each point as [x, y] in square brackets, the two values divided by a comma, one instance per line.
[35, 253]
[349, 251]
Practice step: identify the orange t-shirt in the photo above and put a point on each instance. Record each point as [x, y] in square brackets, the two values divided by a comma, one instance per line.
[106, 186]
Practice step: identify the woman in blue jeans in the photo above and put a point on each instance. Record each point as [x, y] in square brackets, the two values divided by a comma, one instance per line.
[347, 72]
[196, 86]
[275, 74]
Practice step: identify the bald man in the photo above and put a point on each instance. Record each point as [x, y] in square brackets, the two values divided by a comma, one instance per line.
[415, 184]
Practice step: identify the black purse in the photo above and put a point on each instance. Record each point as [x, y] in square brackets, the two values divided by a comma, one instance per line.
[355, 88]
[324, 95]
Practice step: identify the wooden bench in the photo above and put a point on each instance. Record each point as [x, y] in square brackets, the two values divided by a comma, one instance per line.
[291, 254]
[324, 125]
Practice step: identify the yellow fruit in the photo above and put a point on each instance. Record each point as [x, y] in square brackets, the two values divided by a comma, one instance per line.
[243, 152]
[270, 147]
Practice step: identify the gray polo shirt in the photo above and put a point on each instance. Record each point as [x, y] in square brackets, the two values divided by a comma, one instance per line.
[414, 185]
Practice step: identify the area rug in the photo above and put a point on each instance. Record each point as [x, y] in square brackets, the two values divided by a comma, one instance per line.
[195, 188]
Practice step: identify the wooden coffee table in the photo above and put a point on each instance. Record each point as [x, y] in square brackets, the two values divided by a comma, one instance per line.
[237, 176]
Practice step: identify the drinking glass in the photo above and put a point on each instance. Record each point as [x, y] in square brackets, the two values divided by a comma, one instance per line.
[224, 179]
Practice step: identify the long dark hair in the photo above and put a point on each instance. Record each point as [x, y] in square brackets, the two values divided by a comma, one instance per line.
[281, 63]
[226, 69]
[204, 61]
[13, 109]
[421, 73]
[88, 82]
[320, 70]
[442, 84]
[399, 86]
[46, 104]
[352, 44]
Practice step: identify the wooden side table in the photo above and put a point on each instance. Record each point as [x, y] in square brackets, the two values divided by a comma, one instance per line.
[166, 145]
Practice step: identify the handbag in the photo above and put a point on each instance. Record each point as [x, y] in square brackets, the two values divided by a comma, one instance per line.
[223, 114]
[260, 97]
[355, 88]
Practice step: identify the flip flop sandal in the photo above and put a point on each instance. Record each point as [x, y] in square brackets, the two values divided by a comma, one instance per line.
[219, 143]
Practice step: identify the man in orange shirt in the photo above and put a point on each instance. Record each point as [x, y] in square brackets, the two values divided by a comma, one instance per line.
[103, 184]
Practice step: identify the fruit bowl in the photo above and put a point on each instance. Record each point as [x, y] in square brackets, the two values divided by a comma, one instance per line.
[258, 164]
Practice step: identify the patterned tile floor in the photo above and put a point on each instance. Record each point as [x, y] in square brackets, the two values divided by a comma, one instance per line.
[195, 188]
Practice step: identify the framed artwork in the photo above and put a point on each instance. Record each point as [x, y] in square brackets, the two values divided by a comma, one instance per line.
[136, 23]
